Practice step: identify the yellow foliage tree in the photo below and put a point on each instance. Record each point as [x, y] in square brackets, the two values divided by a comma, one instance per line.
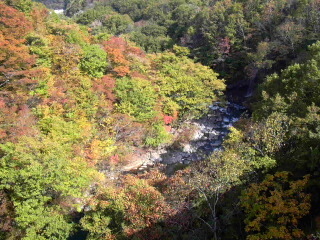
[273, 207]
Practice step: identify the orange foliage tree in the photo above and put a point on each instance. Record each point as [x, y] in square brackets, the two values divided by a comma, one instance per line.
[128, 211]
[15, 60]
[118, 53]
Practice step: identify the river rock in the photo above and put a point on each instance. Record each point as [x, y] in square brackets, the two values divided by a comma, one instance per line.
[186, 162]
[199, 132]
[226, 120]
[207, 137]
[143, 167]
[59, 11]
[177, 158]
[199, 144]
[238, 107]
[234, 120]
[213, 134]
[188, 148]
[155, 156]
[222, 110]
[217, 125]
[212, 107]
[217, 143]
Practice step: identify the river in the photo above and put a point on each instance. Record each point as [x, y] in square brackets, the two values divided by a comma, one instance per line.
[208, 135]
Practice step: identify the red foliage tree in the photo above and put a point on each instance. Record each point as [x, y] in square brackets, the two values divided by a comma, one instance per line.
[168, 119]
[105, 86]
[6, 212]
[15, 120]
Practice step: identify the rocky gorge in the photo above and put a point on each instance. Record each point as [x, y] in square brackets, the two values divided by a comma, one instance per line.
[206, 136]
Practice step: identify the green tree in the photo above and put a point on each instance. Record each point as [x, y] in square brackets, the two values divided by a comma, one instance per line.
[98, 13]
[24, 6]
[157, 135]
[137, 98]
[74, 6]
[94, 61]
[152, 44]
[293, 90]
[192, 86]
[117, 24]
[211, 179]
[133, 8]
[40, 174]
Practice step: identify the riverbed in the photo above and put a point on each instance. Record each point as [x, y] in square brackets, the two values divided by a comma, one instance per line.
[208, 135]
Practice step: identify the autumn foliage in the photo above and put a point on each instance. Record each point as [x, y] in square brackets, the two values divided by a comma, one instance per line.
[15, 60]
[275, 206]
[119, 52]
[80, 108]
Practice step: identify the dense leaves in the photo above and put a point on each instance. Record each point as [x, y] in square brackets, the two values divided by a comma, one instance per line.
[240, 39]
[191, 87]
[94, 61]
[129, 209]
[71, 105]
[79, 106]
[274, 207]
[15, 59]
[36, 174]
[137, 98]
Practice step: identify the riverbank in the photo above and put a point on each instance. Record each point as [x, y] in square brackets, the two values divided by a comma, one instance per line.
[207, 134]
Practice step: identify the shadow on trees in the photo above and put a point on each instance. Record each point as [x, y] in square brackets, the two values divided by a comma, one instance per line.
[195, 221]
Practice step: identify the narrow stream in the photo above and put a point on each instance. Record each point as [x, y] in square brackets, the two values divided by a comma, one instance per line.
[208, 136]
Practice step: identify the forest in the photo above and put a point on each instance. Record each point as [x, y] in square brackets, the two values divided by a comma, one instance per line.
[87, 95]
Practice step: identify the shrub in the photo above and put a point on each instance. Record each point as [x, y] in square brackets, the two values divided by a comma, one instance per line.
[94, 61]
